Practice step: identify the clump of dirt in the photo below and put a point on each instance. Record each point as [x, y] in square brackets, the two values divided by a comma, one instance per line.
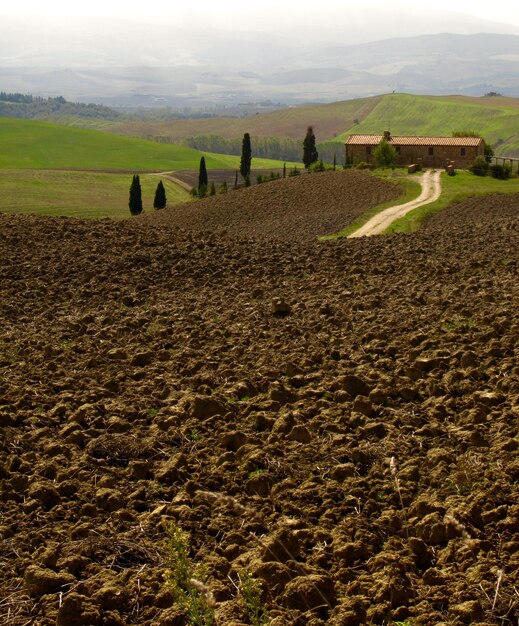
[297, 208]
[337, 419]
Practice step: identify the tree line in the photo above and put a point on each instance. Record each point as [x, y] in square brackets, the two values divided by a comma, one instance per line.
[279, 148]
[23, 106]
[310, 157]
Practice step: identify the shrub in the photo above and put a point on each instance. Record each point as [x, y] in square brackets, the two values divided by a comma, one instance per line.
[502, 172]
[212, 190]
[194, 598]
[384, 154]
[479, 167]
[223, 187]
[294, 172]
[362, 165]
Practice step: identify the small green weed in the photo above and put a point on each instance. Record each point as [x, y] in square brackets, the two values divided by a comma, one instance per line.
[257, 472]
[194, 435]
[192, 595]
[251, 591]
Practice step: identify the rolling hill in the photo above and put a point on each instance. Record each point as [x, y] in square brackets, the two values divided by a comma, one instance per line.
[495, 118]
[33, 144]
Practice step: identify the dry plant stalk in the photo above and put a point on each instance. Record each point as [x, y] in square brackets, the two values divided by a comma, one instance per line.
[460, 527]
[230, 501]
[500, 574]
[205, 591]
[394, 476]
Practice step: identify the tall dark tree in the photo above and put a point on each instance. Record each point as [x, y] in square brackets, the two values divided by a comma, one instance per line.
[202, 177]
[310, 154]
[135, 202]
[246, 156]
[160, 197]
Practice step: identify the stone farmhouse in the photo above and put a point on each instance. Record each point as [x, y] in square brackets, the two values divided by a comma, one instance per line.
[429, 151]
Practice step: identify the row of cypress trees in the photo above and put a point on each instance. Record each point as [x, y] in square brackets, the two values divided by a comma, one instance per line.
[310, 156]
[135, 202]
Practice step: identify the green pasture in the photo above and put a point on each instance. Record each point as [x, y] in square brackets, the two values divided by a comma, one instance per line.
[78, 194]
[454, 189]
[44, 168]
[494, 119]
[33, 144]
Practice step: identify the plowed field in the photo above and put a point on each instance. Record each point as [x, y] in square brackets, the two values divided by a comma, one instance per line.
[296, 208]
[337, 419]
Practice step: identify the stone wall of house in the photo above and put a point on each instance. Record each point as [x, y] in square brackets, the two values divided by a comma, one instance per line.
[462, 157]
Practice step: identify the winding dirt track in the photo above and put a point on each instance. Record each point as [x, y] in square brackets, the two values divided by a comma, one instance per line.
[431, 190]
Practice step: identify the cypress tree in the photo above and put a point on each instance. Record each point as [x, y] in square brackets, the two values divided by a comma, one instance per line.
[160, 197]
[246, 156]
[202, 178]
[310, 154]
[135, 202]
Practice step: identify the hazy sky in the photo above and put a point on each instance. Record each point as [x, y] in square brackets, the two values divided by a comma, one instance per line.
[232, 13]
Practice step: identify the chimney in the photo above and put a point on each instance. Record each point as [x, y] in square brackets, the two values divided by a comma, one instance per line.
[387, 135]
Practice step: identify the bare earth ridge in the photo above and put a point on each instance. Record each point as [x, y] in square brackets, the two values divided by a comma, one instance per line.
[295, 208]
[339, 419]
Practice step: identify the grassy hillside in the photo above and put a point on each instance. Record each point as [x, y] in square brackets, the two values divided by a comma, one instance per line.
[328, 119]
[496, 119]
[32, 144]
[78, 194]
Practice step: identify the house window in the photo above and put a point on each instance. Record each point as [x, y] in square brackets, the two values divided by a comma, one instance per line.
[368, 150]
[397, 148]
[431, 151]
[463, 152]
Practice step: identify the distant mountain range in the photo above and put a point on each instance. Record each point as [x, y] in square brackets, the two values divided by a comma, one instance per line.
[174, 67]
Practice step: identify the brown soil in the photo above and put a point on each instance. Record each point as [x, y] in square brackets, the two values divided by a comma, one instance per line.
[296, 208]
[339, 419]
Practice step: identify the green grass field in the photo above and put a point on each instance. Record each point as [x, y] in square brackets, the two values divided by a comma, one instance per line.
[34, 156]
[454, 189]
[78, 194]
[496, 119]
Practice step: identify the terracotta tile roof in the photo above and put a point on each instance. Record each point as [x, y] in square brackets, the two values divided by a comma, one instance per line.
[374, 140]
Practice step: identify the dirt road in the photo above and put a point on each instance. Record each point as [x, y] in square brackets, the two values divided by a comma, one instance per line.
[431, 189]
